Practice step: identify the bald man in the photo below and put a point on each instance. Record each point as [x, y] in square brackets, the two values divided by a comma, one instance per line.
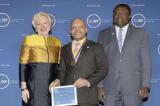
[83, 64]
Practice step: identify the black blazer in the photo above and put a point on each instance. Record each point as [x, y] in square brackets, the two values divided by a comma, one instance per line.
[91, 65]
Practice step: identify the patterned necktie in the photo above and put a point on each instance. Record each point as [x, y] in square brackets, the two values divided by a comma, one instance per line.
[76, 51]
[76, 45]
[120, 39]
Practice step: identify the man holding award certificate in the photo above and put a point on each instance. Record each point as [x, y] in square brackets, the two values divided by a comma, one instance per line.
[83, 64]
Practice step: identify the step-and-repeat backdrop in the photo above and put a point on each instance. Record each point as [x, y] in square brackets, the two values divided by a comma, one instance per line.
[15, 23]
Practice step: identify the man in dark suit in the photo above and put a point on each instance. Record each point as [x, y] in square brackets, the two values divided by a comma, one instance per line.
[129, 61]
[83, 64]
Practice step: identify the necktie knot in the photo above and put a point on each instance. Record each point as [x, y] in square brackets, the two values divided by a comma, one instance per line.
[76, 46]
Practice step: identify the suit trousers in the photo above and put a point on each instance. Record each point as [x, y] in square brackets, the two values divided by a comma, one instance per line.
[87, 105]
[122, 100]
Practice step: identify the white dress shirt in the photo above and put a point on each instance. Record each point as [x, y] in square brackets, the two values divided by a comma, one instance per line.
[124, 32]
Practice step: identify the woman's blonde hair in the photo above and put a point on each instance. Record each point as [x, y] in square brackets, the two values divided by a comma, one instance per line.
[39, 14]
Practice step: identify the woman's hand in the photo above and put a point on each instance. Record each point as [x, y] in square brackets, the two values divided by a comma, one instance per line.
[25, 95]
[54, 84]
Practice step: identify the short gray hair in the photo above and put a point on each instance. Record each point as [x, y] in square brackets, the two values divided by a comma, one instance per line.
[39, 14]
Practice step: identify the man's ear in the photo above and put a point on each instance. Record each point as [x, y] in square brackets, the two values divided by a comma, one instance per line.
[130, 16]
[86, 30]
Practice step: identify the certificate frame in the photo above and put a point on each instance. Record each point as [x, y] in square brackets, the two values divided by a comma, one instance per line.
[59, 93]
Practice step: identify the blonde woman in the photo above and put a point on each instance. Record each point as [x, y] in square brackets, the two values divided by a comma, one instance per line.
[39, 58]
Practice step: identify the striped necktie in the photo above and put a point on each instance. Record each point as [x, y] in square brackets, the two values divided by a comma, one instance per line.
[120, 39]
[76, 47]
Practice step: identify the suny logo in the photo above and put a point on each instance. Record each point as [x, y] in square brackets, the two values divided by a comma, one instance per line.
[4, 81]
[138, 20]
[93, 21]
[4, 20]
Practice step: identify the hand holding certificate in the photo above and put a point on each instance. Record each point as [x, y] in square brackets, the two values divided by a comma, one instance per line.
[64, 95]
[55, 83]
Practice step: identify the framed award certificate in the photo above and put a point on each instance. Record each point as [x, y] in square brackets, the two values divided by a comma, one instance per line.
[64, 95]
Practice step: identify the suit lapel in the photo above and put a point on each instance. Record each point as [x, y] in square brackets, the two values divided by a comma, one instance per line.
[128, 34]
[114, 36]
[70, 55]
[85, 47]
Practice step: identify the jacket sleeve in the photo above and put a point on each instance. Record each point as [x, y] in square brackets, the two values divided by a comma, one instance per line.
[24, 57]
[145, 61]
[61, 68]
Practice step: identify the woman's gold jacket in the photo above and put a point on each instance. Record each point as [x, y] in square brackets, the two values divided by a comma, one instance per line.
[39, 57]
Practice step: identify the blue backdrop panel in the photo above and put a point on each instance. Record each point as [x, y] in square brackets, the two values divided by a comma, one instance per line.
[15, 23]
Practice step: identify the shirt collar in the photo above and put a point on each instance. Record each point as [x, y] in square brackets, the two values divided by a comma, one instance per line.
[124, 28]
[81, 41]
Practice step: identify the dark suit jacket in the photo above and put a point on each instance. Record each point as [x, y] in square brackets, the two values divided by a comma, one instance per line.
[91, 65]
